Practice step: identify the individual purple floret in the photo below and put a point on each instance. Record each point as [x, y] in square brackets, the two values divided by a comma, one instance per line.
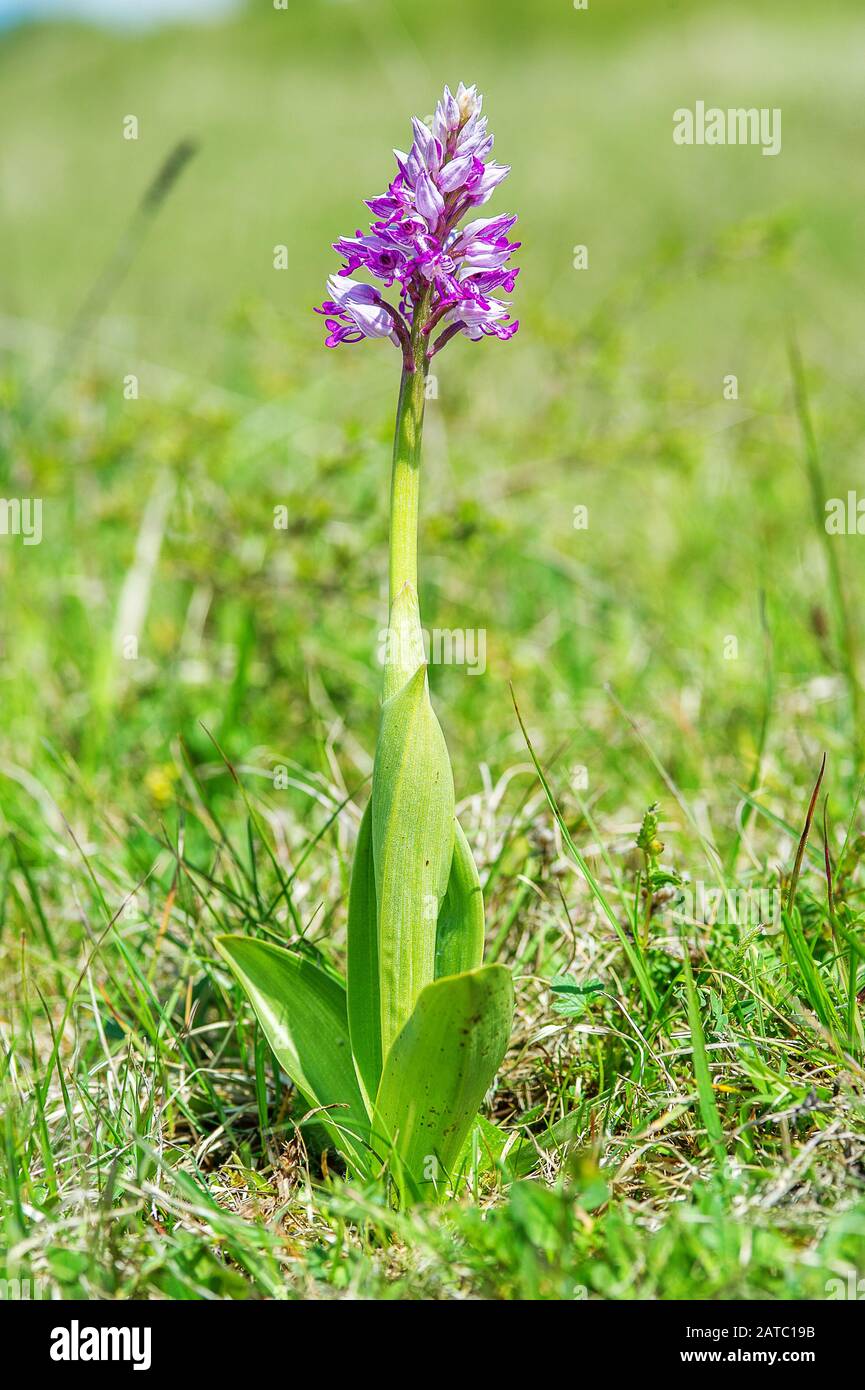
[443, 276]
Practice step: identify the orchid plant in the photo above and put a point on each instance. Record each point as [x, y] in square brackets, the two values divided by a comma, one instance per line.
[395, 1063]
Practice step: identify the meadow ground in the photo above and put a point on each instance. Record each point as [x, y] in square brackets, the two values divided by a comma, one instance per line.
[684, 1091]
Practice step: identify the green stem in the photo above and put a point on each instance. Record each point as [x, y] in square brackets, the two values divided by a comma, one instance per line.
[405, 477]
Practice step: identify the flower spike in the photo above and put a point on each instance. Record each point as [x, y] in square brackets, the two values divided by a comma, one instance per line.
[446, 274]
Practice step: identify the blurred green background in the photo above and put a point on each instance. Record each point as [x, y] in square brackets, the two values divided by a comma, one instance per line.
[701, 262]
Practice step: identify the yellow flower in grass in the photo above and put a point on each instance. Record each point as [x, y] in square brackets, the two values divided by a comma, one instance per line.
[159, 782]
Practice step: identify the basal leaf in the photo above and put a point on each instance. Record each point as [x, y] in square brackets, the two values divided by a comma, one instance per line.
[460, 930]
[302, 1012]
[436, 1074]
[412, 835]
[364, 1009]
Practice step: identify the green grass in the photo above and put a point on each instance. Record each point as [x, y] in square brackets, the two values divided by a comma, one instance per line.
[683, 1095]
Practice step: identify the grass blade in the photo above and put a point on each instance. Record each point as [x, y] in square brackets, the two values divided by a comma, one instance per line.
[632, 953]
[702, 1075]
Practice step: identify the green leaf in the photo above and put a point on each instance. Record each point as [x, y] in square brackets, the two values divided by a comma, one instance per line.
[437, 1073]
[412, 836]
[460, 930]
[302, 1012]
[572, 998]
[364, 1008]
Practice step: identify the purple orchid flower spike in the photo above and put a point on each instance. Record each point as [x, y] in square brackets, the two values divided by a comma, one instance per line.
[445, 277]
